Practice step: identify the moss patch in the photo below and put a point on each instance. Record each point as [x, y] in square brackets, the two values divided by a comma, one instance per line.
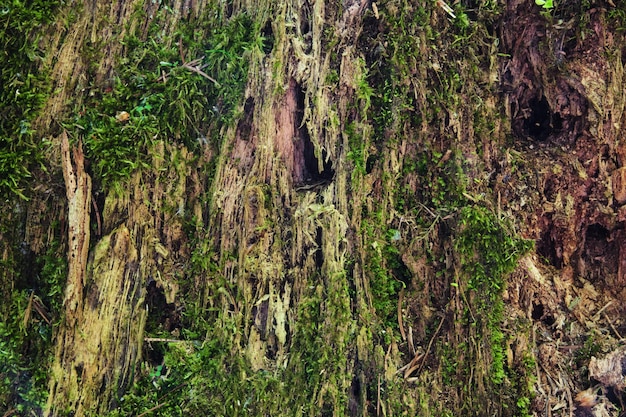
[24, 87]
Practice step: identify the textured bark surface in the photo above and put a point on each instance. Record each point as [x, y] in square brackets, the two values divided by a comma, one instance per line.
[100, 341]
[347, 241]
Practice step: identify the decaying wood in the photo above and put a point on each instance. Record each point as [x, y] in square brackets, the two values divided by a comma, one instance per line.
[78, 192]
[280, 239]
[98, 348]
[609, 370]
[101, 336]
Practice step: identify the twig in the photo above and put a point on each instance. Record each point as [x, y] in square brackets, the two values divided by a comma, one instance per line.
[432, 339]
[613, 326]
[400, 324]
[378, 398]
[40, 308]
[412, 366]
[156, 407]
[192, 65]
[160, 339]
[446, 8]
[197, 71]
[9, 413]
[607, 305]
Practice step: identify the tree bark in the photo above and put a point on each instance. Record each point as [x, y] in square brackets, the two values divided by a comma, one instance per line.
[354, 232]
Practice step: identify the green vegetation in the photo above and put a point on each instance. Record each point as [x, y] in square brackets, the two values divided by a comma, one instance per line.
[181, 88]
[591, 347]
[26, 331]
[545, 4]
[202, 378]
[617, 14]
[433, 203]
[388, 275]
[184, 88]
[24, 87]
[488, 252]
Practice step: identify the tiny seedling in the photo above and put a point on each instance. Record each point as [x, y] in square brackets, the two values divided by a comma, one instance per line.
[545, 4]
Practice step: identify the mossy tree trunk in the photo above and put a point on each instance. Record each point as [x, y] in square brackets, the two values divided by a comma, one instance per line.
[321, 195]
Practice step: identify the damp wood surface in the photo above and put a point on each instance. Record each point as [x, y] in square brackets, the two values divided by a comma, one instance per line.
[398, 208]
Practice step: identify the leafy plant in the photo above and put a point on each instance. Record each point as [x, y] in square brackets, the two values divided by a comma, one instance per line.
[545, 4]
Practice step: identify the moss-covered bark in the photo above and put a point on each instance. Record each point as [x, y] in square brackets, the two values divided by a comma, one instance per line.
[317, 208]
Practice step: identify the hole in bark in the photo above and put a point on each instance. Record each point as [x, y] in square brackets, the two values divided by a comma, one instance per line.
[601, 254]
[615, 396]
[268, 38]
[548, 247]
[537, 311]
[312, 172]
[154, 353]
[79, 370]
[311, 164]
[161, 314]
[369, 164]
[561, 120]
[319, 254]
[541, 122]
[596, 237]
[305, 26]
[244, 127]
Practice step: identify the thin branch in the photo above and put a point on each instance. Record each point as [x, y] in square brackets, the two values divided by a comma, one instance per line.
[378, 398]
[156, 407]
[430, 344]
[400, 324]
[193, 65]
[160, 339]
[197, 71]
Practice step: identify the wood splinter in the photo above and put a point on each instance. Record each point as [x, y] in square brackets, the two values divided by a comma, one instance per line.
[78, 192]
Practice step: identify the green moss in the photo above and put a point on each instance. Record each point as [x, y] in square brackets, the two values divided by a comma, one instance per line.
[27, 327]
[24, 87]
[202, 378]
[591, 347]
[319, 353]
[617, 15]
[357, 152]
[488, 252]
[182, 88]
